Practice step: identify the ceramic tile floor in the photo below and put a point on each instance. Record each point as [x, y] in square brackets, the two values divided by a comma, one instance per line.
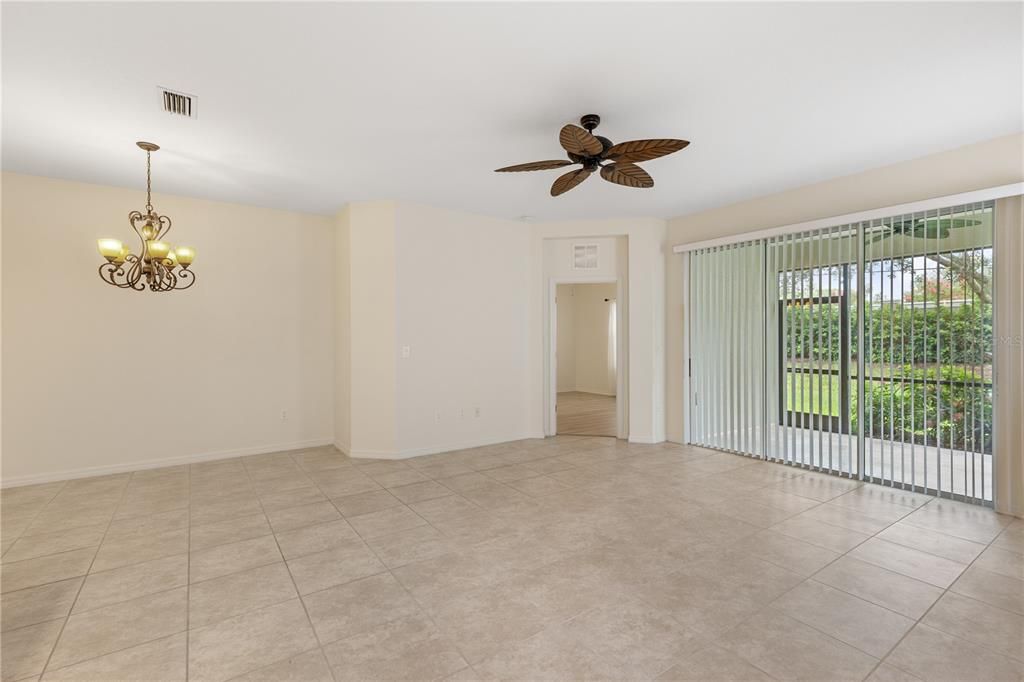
[567, 558]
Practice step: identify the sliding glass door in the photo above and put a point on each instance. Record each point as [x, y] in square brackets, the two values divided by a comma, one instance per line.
[927, 388]
[863, 350]
[813, 278]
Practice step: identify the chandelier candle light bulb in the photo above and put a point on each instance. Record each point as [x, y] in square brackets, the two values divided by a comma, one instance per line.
[159, 267]
[185, 254]
[157, 250]
[111, 249]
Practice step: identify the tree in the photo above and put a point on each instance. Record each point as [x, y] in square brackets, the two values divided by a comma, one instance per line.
[963, 274]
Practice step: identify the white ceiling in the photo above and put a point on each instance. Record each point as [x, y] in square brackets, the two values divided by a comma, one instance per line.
[309, 106]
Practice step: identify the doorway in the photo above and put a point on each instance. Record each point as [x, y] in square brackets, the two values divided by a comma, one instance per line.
[586, 359]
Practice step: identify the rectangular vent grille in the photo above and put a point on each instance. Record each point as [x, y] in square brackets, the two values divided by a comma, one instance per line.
[179, 103]
[584, 256]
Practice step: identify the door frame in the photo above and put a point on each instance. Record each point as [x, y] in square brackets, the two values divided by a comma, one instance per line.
[621, 353]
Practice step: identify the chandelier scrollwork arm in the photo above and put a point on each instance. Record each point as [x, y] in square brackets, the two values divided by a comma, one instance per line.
[118, 276]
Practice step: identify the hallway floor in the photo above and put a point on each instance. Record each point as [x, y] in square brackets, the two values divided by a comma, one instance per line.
[586, 414]
[564, 558]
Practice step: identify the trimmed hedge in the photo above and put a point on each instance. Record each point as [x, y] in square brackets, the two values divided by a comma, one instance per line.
[960, 335]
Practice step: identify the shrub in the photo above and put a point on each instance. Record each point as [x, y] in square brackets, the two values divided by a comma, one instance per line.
[954, 411]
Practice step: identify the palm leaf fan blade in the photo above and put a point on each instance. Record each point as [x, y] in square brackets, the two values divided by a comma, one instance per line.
[644, 150]
[566, 182]
[627, 175]
[578, 141]
[535, 165]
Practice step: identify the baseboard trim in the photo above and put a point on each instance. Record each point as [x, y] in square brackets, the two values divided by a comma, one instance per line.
[589, 392]
[435, 449]
[646, 440]
[86, 472]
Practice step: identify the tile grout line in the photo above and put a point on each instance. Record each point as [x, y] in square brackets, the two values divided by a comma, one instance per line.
[920, 620]
[390, 572]
[85, 577]
[159, 558]
[188, 576]
[271, 665]
[167, 636]
[387, 569]
[171, 589]
[35, 516]
[769, 605]
[762, 486]
[426, 612]
[295, 587]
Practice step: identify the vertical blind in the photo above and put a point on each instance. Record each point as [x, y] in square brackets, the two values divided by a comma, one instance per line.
[726, 336]
[863, 350]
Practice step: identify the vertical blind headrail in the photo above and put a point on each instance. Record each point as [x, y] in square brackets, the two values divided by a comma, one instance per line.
[985, 196]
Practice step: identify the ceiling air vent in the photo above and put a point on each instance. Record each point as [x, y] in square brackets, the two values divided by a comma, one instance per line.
[584, 256]
[178, 103]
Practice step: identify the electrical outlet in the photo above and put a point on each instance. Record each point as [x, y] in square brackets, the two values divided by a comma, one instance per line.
[437, 416]
[284, 415]
[476, 412]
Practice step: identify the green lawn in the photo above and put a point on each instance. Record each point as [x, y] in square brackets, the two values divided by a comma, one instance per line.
[803, 393]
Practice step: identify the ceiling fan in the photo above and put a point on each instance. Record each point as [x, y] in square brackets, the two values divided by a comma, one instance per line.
[617, 162]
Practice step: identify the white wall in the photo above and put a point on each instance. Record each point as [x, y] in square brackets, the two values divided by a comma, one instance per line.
[373, 295]
[583, 338]
[986, 164]
[99, 379]
[565, 304]
[462, 310]
[450, 287]
[594, 372]
[343, 331]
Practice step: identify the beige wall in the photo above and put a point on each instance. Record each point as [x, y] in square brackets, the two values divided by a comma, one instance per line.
[449, 287]
[583, 339]
[98, 379]
[343, 331]
[1009, 355]
[462, 311]
[986, 164]
[372, 291]
[565, 304]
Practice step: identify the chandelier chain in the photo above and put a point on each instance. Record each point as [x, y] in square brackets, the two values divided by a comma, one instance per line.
[149, 184]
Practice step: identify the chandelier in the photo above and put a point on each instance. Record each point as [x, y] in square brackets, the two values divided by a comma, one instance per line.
[158, 266]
